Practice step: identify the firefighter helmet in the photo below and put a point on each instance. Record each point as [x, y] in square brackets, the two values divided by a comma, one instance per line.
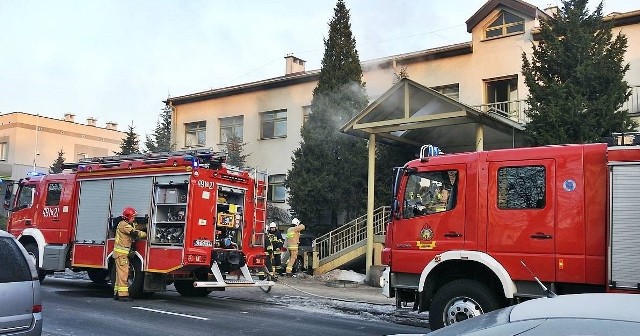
[273, 225]
[295, 221]
[129, 213]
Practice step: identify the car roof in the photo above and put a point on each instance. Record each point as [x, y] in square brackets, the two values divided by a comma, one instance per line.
[5, 234]
[605, 306]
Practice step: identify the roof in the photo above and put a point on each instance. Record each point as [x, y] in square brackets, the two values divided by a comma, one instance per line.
[516, 5]
[313, 75]
[410, 114]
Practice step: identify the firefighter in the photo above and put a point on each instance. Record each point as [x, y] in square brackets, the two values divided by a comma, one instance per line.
[293, 239]
[274, 246]
[126, 233]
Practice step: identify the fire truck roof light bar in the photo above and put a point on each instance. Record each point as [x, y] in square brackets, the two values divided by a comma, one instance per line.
[427, 151]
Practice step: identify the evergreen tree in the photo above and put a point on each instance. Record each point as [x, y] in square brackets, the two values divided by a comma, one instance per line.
[130, 144]
[160, 140]
[56, 166]
[235, 150]
[328, 177]
[576, 78]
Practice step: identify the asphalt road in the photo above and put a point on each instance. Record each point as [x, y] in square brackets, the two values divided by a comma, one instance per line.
[79, 307]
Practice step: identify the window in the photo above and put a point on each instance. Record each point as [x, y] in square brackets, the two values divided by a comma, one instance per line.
[277, 191]
[430, 192]
[14, 265]
[502, 95]
[54, 191]
[25, 198]
[521, 187]
[505, 24]
[452, 91]
[306, 111]
[229, 126]
[195, 134]
[273, 124]
[4, 151]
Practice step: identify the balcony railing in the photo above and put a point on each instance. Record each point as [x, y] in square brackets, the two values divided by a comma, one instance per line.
[514, 109]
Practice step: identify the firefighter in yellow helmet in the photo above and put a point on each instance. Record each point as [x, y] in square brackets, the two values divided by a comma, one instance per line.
[275, 243]
[126, 233]
[293, 240]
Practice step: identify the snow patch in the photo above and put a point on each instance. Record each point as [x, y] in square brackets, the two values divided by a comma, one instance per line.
[346, 275]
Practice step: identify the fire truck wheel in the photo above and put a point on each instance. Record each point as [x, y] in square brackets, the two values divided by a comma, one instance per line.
[185, 288]
[32, 249]
[460, 300]
[98, 275]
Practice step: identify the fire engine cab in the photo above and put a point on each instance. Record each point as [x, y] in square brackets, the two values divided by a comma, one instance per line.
[205, 221]
[472, 232]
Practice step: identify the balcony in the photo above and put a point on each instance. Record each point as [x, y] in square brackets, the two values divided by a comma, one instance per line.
[514, 109]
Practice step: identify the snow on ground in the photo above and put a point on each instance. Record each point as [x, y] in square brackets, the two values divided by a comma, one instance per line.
[338, 274]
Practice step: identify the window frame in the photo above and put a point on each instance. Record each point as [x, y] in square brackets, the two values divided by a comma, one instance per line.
[53, 196]
[503, 27]
[449, 90]
[4, 151]
[276, 185]
[415, 205]
[236, 123]
[502, 196]
[195, 129]
[272, 117]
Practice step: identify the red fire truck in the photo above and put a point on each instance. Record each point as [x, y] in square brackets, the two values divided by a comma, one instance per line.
[472, 232]
[205, 221]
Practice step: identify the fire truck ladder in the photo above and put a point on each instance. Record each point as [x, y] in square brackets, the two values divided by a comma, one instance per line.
[261, 179]
[204, 156]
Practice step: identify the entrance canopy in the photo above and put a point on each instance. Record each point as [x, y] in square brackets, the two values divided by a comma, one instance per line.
[410, 114]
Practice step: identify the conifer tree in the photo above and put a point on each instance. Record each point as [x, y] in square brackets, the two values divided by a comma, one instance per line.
[576, 78]
[328, 177]
[235, 150]
[130, 144]
[160, 140]
[56, 166]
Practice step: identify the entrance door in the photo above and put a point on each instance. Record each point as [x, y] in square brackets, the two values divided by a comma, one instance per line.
[433, 213]
[521, 222]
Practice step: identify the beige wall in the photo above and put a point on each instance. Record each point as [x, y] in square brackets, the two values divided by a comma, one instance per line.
[24, 143]
[490, 59]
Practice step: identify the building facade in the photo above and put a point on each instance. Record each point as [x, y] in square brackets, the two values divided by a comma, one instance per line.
[31, 143]
[484, 73]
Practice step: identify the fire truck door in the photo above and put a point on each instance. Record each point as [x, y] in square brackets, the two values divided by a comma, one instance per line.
[433, 214]
[521, 223]
[54, 214]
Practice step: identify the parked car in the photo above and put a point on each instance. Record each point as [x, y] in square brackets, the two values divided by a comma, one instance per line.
[575, 314]
[20, 300]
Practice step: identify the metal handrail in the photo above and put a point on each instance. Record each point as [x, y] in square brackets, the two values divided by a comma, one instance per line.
[514, 109]
[351, 233]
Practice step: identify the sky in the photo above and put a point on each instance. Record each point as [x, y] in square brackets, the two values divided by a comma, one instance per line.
[117, 60]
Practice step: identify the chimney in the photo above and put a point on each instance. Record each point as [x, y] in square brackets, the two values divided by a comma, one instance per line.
[69, 117]
[293, 65]
[91, 121]
[112, 125]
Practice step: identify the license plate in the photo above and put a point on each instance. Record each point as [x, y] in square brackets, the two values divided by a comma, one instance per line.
[202, 243]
